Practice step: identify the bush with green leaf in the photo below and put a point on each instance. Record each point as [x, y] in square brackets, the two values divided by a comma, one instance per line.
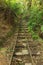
[15, 5]
[35, 23]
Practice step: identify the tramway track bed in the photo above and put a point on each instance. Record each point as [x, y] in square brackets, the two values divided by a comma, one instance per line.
[27, 51]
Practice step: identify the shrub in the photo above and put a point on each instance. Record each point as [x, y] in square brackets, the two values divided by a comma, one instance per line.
[35, 20]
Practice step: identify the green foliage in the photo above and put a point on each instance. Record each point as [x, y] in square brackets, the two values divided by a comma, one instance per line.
[15, 5]
[35, 23]
[42, 28]
[18, 8]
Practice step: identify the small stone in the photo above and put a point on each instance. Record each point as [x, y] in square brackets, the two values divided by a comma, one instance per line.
[19, 60]
[24, 52]
[18, 53]
[38, 53]
[24, 44]
[28, 63]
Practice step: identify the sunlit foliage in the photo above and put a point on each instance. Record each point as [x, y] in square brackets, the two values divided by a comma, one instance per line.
[17, 5]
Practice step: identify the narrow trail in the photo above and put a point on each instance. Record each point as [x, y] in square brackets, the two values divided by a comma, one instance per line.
[26, 51]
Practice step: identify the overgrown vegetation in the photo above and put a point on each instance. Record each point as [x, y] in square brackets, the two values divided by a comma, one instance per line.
[35, 23]
[25, 9]
[12, 11]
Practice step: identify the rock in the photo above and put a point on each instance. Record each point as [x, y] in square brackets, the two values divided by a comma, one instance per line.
[24, 52]
[18, 53]
[28, 63]
[18, 59]
[38, 53]
[24, 44]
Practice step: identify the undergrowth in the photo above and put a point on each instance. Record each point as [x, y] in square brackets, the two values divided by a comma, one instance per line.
[35, 23]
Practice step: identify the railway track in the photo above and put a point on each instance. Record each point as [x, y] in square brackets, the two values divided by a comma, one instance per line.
[24, 51]
[27, 51]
